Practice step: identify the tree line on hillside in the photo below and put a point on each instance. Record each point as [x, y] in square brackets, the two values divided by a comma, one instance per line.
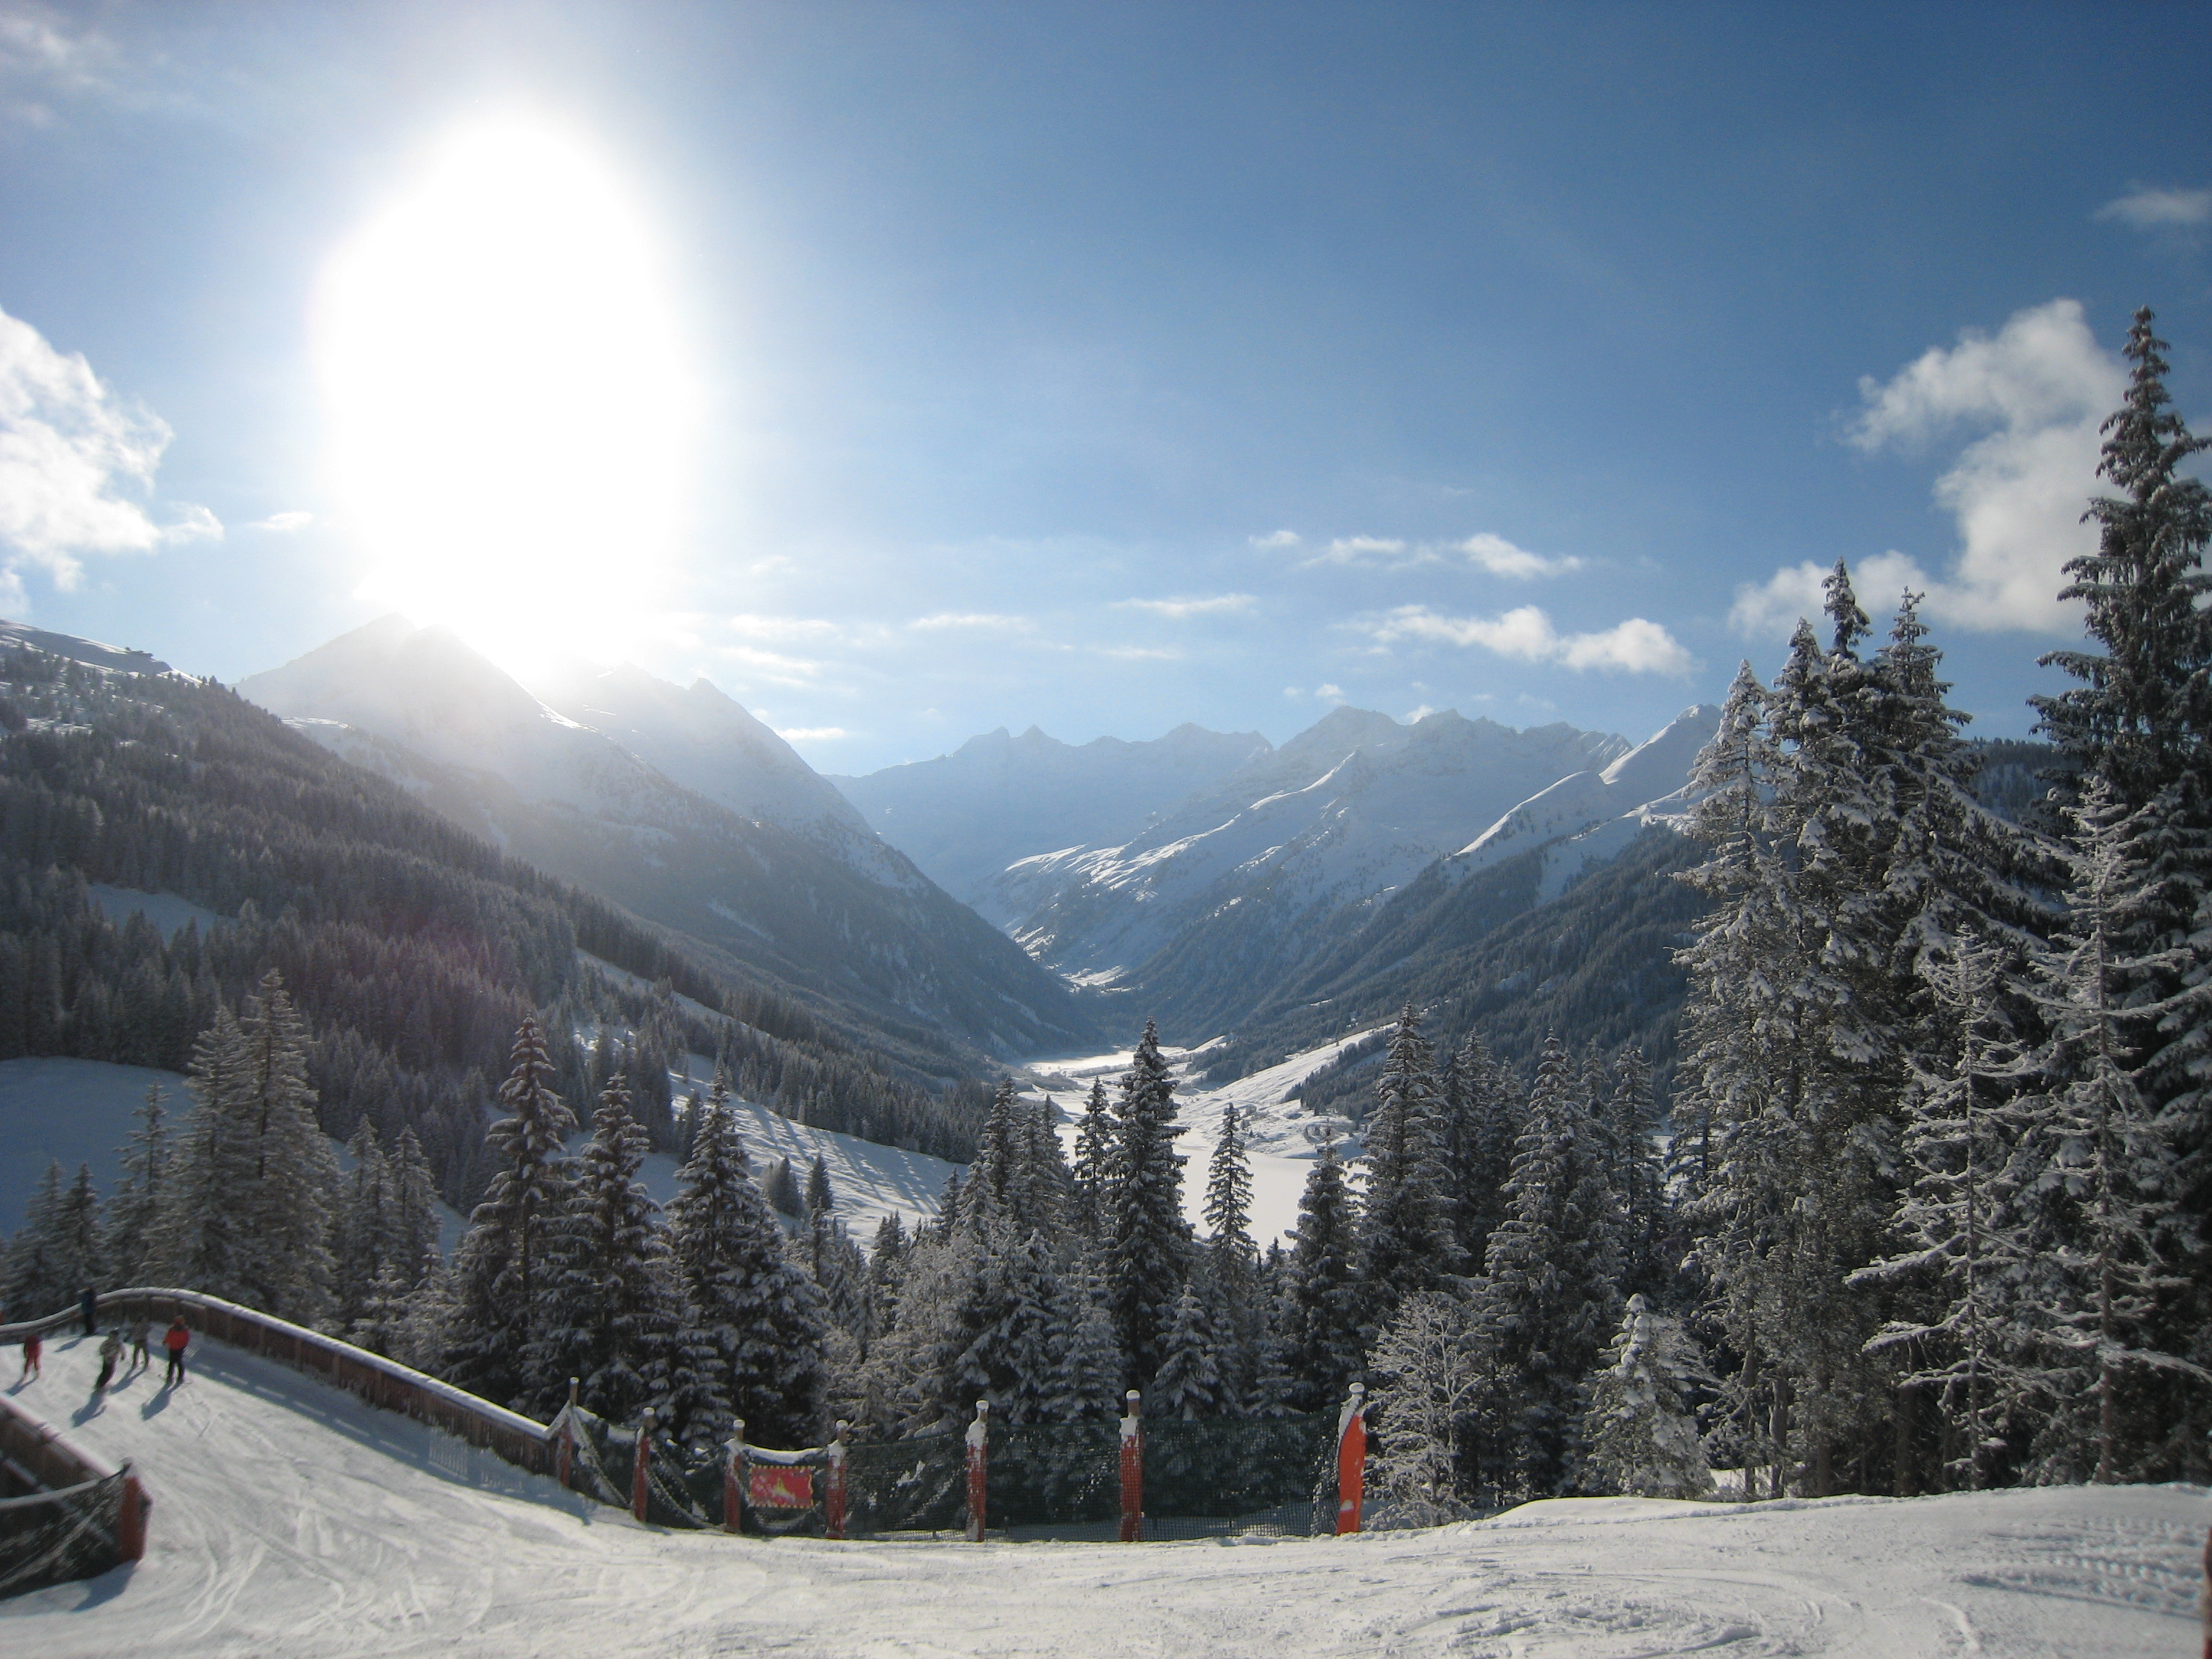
[410, 949]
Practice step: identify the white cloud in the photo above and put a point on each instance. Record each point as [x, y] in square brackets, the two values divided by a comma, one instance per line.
[1633, 647]
[1416, 716]
[1276, 539]
[1485, 551]
[2042, 386]
[282, 522]
[1364, 550]
[809, 733]
[1139, 653]
[1329, 693]
[968, 619]
[2146, 208]
[1501, 558]
[73, 457]
[1178, 609]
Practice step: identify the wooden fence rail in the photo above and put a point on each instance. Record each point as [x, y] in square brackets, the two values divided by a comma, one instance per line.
[519, 1440]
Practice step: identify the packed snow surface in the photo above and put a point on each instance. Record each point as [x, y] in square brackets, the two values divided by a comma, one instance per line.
[70, 1112]
[291, 1519]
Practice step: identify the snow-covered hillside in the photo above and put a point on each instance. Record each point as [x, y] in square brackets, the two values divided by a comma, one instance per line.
[1234, 895]
[69, 1112]
[290, 1519]
[1281, 1136]
[1591, 817]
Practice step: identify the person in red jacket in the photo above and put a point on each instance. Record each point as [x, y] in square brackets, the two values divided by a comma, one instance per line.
[32, 1346]
[175, 1340]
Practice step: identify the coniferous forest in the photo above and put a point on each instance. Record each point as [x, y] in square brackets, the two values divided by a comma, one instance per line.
[1921, 1204]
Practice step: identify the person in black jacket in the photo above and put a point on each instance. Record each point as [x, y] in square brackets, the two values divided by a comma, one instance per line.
[88, 1306]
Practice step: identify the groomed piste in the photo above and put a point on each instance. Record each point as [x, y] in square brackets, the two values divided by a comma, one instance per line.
[290, 1518]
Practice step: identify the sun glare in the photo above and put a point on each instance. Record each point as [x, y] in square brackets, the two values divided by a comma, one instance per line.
[511, 411]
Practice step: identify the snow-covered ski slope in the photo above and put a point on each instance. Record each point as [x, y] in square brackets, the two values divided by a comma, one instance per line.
[291, 1519]
[1281, 1137]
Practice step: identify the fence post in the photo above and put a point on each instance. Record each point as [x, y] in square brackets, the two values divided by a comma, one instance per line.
[564, 1450]
[979, 1452]
[639, 1480]
[1351, 1459]
[833, 1496]
[1132, 1471]
[131, 1525]
[734, 1480]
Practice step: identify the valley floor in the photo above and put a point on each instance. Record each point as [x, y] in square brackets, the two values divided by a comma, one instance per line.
[289, 1519]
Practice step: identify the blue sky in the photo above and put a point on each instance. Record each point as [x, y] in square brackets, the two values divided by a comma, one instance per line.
[910, 370]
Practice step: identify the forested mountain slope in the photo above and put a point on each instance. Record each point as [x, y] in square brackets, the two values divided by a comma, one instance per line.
[823, 906]
[412, 948]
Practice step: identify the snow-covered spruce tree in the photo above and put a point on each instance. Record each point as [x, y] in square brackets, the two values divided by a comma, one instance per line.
[900, 1387]
[145, 1159]
[1846, 846]
[752, 1335]
[2141, 718]
[607, 1311]
[1001, 1341]
[1149, 1242]
[410, 1246]
[1972, 1268]
[1486, 1119]
[1406, 1237]
[362, 1224]
[1232, 1261]
[782, 1190]
[1434, 1371]
[1324, 1311]
[1094, 1162]
[498, 1268]
[1047, 1183]
[1549, 1297]
[1632, 1117]
[1087, 1381]
[2113, 1155]
[1641, 1431]
[1189, 1384]
[246, 1211]
[994, 1174]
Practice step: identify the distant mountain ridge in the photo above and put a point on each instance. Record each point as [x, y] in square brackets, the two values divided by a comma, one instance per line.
[1366, 859]
[966, 816]
[805, 895]
[1251, 876]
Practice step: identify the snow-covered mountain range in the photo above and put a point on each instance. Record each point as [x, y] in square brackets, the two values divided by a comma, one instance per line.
[1265, 881]
[682, 808]
[1263, 867]
[966, 816]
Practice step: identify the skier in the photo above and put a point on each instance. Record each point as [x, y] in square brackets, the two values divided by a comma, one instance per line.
[110, 1351]
[175, 1340]
[31, 1347]
[138, 1333]
[88, 1306]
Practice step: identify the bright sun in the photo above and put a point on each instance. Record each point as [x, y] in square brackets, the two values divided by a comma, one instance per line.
[512, 415]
